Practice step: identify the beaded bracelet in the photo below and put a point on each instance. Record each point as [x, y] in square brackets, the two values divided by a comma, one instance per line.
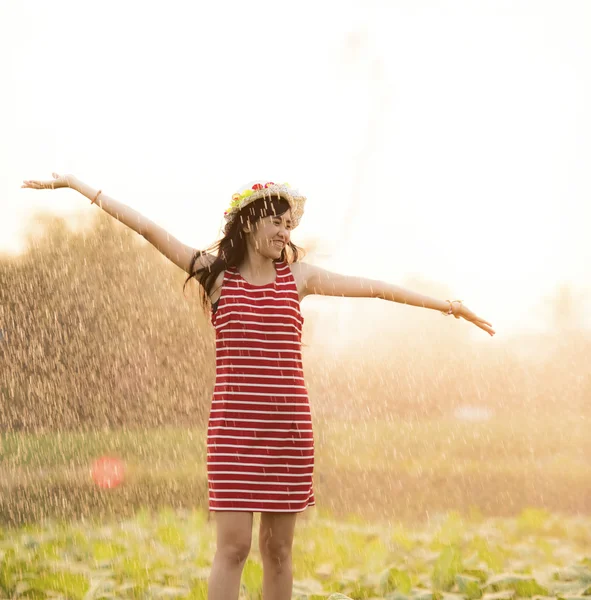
[450, 310]
[96, 197]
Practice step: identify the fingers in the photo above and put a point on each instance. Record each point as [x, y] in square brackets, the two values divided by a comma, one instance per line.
[470, 316]
[479, 322]
[482, 321]
[37, 185]
[484, 327]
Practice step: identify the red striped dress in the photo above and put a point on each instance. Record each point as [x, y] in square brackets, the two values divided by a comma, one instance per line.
[260, 445]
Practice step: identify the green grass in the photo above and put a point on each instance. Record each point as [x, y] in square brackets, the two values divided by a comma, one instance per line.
[169, 553]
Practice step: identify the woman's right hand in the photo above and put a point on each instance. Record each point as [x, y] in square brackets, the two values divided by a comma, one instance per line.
[58, 181]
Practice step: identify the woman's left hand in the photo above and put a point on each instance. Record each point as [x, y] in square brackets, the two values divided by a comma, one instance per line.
[58, 181]
[461, 310]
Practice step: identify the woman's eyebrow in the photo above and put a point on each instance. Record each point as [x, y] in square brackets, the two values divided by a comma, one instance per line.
[288, 221]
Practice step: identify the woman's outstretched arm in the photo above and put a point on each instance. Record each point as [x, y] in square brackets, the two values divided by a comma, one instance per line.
[179, 253]
[326, 283]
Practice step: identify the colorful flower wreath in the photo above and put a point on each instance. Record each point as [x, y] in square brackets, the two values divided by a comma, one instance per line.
[258, 189]
[238, 198]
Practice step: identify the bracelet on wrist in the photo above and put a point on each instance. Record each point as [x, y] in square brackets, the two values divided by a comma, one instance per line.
[450, 311]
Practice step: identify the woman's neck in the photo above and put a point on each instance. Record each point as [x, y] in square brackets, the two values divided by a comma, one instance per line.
[257, 267]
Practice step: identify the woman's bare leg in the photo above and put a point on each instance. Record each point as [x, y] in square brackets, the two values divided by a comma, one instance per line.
[276, 542]
[234, 535]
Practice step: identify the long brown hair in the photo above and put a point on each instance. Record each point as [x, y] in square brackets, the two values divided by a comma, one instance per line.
[230, 250]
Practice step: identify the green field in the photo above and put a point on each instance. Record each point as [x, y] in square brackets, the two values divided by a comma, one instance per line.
[424, 510]
[400, 471]
[168, 555]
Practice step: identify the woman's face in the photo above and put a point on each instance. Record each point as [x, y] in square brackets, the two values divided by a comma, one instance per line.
[269, 236]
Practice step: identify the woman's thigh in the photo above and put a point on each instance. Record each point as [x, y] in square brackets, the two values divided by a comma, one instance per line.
[234, 532]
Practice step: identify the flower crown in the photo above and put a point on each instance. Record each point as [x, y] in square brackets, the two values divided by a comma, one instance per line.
[259, 189]
[238, 197]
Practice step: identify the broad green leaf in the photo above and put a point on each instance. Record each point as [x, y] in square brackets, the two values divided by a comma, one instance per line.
[488, 552]
[451, 530]
[394, 579]
[568, 588]
[523, 585]
[567, 574]
[479, 574]
[469, 586]
[447, 566]
[358, 591]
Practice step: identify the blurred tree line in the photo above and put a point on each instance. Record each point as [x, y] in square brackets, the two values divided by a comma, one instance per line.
[95, 332]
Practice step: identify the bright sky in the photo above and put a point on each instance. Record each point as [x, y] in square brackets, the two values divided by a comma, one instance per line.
[449, 140]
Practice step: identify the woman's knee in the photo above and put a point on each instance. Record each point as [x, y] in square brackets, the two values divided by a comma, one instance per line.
[234, 552]
[275, 551]
[276, 539]
[234, 536]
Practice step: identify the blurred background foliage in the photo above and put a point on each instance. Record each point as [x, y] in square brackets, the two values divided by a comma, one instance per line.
[95, 332]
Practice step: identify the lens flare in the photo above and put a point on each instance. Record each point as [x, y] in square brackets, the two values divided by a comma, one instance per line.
[108, 472]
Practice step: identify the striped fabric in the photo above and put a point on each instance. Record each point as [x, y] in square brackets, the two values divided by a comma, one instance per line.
[260, 445]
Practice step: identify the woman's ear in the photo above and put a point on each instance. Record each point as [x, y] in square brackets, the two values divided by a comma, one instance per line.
[246, 225]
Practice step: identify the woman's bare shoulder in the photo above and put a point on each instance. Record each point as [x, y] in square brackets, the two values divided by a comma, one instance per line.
[298, 270]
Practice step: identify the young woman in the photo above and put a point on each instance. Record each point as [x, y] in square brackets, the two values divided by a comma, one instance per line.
[260, 447]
